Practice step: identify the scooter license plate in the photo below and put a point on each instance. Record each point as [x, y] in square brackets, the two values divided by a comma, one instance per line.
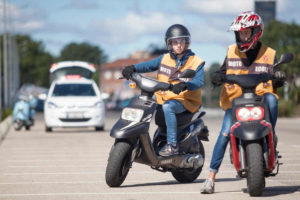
[75, 115]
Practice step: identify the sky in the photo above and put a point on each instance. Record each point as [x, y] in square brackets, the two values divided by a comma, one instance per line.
[121, 27]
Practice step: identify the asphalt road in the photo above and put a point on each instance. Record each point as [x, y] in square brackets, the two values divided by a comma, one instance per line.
[70, 164]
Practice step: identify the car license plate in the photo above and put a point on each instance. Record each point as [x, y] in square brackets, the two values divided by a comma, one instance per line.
[74, 115]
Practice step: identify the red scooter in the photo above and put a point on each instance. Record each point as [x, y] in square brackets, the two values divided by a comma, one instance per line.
[252, 138]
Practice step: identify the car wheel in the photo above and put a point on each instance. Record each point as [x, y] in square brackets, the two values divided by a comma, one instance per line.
[48, 129]
[99, 128]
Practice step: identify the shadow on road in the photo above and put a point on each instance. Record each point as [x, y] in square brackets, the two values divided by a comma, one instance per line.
[277, 190]
[174, 182]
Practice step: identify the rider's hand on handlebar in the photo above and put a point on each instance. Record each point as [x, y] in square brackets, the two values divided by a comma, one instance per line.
[217, 79]
[179, 87]
[279, 75]
[127, 71]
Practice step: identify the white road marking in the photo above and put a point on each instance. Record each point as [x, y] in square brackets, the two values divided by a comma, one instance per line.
[55, 166]
[107, 193]
[102, 172]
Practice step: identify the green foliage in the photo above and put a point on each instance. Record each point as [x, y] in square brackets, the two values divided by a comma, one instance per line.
[34, 61]
[286, 108]
[84, 52]
[6, 112]
[211, 94]
[284, 38]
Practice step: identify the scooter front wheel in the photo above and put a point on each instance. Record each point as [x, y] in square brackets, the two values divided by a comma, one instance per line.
[119, 163]
[18, 125]
[255, 172]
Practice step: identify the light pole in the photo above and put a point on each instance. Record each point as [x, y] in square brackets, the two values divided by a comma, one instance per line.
[5, 67]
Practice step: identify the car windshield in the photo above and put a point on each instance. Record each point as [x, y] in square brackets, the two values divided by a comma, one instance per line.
[73, 90]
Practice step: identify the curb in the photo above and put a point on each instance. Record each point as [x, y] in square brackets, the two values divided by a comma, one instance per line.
[4, 127]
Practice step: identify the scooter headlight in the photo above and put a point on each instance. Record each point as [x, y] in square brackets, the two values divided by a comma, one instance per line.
[243, 114]
[250, 113]
[257, 113]
[132, 114]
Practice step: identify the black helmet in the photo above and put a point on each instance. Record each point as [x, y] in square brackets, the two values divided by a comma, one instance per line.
[177, 31]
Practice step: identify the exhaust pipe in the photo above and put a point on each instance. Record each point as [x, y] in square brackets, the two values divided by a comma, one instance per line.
[192, 161]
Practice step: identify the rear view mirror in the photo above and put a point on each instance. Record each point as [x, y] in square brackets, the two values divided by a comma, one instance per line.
[285, 58]
[188, 73]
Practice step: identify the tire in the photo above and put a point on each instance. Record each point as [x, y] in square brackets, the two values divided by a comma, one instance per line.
[119, 163]
[255, 172]
[99, 128]
[18, 125]
[27, 128]
[189, 175]
[48, 129]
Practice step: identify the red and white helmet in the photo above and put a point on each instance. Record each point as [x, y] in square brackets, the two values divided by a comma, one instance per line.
[247, 20]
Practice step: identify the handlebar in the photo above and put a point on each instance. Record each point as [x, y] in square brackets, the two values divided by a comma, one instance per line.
[248, 81]
[147, 84]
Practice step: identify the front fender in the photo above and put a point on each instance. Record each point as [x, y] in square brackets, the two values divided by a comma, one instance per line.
[250, 131]
[127, 129]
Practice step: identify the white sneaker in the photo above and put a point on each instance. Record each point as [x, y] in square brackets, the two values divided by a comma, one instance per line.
[208, 187]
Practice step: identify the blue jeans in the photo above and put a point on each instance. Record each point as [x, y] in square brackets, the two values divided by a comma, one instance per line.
[223, 139]
[171, 108]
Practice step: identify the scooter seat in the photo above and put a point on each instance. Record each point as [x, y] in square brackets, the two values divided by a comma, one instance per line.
[182, 118]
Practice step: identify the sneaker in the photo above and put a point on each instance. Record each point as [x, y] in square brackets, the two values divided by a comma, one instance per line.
[168, 150]
[208, 187]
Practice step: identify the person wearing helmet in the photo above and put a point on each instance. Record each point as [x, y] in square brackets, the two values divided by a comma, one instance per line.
[183, 95]
[247, 56]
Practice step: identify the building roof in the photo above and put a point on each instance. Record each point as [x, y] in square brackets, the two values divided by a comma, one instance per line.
[120, 63]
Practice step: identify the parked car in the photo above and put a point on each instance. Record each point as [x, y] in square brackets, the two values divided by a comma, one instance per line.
[74, 101]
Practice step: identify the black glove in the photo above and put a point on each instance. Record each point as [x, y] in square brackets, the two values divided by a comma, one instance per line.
[280, 75]
[217, 79]
[279, 78]
[127, 71]
[179, 87]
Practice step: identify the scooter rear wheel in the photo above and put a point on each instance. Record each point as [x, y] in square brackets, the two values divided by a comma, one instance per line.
[119, 163]
[189, 175]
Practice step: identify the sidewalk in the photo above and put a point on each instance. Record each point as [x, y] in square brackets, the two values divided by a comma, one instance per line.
[4, 127]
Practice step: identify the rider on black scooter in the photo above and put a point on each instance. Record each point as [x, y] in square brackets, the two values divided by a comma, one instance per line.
[247, 56]
[184, 95]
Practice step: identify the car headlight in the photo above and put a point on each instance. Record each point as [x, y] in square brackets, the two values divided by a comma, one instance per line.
[98, 104]
[51, 105]
[132, 114]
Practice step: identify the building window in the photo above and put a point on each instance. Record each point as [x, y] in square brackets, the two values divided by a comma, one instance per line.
[117, 74]
[107, 75]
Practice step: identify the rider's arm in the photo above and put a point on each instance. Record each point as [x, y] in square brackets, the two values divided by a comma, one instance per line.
[148, 66]
[198, 80]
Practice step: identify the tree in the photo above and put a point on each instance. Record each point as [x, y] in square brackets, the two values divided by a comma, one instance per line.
[212, 93]
[35, 62]
[283, 38]
[84, 52]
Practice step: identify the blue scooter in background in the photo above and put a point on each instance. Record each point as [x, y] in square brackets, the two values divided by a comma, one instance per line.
[24, 112]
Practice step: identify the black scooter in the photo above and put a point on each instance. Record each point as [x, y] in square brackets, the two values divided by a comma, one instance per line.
[252, 139]
[133, 143]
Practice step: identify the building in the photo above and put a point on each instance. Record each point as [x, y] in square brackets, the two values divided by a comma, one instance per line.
[110, 73]
[266, 9]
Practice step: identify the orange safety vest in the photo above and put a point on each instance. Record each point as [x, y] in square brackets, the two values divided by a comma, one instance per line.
[235, 65]
[191, 100]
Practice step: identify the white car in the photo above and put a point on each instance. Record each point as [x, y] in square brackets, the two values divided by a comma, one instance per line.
[74, 101]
